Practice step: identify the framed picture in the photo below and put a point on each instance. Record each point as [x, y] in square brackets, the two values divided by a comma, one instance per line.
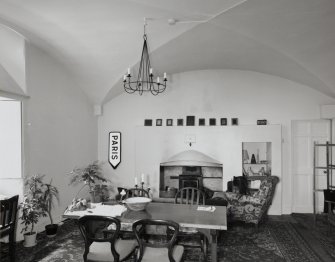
[202, 121]
[223, 121]
[169, 122]
[234, 121]
[212, 122]
[147, 122]
[159, 122]
[262, 122]
[190, 120]
[180, 122]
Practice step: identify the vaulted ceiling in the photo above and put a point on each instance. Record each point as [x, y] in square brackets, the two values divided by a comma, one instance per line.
[96, 41]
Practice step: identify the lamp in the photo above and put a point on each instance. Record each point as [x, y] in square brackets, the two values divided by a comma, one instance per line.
[145, 79]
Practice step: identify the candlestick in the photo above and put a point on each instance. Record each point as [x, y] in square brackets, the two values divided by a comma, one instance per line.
[123, 193]
[128, 71]
[157, 79]
[164, 75]
[150, 71]
[142, 178]
[135, 180]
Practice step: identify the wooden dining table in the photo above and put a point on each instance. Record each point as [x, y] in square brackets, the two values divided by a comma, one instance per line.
[209, 221]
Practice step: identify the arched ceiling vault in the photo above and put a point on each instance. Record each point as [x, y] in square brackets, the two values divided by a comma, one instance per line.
[96, 41]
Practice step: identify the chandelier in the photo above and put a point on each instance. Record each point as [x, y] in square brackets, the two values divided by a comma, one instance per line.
[145, 81]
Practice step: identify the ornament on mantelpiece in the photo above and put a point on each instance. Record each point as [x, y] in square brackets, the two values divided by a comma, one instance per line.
[253, 159]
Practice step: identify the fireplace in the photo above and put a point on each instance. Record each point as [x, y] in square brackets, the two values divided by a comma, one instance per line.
[190, 177]
[189, 169]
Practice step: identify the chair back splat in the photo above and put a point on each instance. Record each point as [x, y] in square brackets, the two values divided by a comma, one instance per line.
[190, 196]
[94, 229]
[101, 243]
[146, 250]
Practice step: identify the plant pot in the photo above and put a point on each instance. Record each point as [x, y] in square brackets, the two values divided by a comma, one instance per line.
[95, 197]
[29, 239]
[51, 230]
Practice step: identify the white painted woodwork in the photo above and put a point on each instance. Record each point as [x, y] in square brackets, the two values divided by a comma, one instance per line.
[304, 134]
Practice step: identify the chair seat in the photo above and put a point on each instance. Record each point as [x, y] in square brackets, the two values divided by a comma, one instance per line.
[161, 254]
[101, 251]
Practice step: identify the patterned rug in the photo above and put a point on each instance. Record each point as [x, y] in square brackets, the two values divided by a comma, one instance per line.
[284, 238]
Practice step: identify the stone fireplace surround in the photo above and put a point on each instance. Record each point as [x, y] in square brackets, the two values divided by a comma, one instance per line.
[189, 168]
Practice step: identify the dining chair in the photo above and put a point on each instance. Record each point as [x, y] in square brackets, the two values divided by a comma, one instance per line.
[162, 249]
[8, 212]
[126, 233]
[191, 196]
[102, 244]
[137, 192]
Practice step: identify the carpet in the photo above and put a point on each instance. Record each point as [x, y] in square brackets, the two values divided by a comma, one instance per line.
[282, 238]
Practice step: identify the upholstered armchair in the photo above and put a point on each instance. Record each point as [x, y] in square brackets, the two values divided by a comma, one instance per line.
[251, 208]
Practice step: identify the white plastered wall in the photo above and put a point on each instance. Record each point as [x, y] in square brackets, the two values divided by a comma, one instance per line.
[59, 127]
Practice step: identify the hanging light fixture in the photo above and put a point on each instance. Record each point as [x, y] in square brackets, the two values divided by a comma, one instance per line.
[145, 81]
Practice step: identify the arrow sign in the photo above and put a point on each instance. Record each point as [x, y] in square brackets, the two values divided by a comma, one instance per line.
[114, 151]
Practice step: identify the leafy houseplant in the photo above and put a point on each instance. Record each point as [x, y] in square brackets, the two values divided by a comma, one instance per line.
[50, 194]
[32, 208]
[89, 175]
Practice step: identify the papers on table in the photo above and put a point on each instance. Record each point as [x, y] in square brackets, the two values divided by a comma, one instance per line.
[206, 208]
[100, 210]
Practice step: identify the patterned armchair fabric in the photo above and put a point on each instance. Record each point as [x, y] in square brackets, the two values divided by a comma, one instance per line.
[251, 208]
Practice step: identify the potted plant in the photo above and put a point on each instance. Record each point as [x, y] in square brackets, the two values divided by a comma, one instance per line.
[89, 175]
[32, 208]
[50, 194]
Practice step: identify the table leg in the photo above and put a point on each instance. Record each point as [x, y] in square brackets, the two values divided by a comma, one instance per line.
[214, 245]
[212, 236]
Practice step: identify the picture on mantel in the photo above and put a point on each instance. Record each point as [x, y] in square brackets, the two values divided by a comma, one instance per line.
[212, 122]
[180, 122]
[169, 122]
[234, 121]
[223, 121]
[190, 120]
[147, 122]
[159, 122]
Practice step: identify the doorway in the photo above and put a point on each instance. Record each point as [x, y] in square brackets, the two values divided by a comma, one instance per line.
[304, 134]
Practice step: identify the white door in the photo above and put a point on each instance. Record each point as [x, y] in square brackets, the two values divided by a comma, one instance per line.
[304, 134]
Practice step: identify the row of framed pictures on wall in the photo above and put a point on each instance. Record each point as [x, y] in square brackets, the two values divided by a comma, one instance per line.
[190, 121]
